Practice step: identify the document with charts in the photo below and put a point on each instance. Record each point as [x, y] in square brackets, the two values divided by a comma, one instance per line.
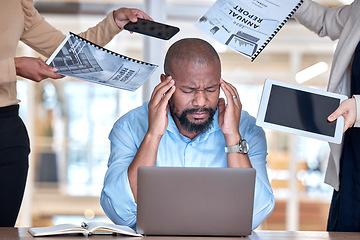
[246, 26]
[79, 58]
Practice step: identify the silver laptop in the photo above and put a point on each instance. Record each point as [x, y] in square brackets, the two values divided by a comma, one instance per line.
[195, 201]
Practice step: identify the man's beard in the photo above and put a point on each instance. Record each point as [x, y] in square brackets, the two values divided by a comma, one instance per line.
[192, 127]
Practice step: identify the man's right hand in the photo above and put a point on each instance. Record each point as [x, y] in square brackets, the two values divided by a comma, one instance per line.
[159, 107]
[158, 120]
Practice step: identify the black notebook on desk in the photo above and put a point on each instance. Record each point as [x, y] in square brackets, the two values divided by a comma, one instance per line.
[79, 58]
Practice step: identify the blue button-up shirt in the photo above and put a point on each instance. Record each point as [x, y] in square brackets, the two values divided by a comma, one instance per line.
[205, 150]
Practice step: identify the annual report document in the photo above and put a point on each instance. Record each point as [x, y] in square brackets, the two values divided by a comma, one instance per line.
[79, 58]
[246, 26]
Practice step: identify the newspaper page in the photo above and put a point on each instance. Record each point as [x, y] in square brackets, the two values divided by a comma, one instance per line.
[79, 58]
[246, 26]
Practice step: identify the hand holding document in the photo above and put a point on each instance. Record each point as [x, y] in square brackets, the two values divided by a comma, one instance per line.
[246, 26]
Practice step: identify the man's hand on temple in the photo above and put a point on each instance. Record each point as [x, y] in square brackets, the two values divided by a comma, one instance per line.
[229, 115]
[159, 107]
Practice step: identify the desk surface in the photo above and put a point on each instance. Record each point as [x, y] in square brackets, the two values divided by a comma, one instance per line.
[22, 234]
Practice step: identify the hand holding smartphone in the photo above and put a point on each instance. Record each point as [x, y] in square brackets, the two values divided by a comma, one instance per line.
[153, 29]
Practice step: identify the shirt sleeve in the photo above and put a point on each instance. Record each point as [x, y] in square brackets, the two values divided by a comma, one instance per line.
[264, 200]
[44, 38]
[322, 20]
[117, 199]
[7, 69]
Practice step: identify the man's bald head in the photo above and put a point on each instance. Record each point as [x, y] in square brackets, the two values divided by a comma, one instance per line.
[192, 50]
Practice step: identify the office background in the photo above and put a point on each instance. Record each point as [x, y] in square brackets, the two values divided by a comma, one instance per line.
[69, 120]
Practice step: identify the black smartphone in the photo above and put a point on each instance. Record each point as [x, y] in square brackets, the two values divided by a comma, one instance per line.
[153, 29]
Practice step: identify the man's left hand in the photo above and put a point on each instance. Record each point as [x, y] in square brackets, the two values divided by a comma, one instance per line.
[123, 15]
[229, 115]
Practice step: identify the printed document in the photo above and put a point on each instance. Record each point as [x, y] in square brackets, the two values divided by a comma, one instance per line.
[246, 26]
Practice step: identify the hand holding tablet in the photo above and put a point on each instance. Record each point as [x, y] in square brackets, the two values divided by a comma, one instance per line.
[300, 110]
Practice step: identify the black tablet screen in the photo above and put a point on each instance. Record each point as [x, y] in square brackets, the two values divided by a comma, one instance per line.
[301, 110]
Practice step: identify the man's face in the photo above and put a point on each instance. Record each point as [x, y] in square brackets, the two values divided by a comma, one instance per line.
[195, 99]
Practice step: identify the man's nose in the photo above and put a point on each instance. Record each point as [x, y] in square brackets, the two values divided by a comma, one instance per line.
[199, 99]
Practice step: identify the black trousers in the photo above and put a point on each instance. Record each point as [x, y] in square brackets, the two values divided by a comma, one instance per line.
[14, 163]
[344, 214]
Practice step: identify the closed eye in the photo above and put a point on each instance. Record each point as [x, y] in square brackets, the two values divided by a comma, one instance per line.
[192, 90]
[211, 90]
[188, 90]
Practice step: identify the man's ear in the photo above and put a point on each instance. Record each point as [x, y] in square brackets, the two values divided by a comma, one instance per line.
[162, 77]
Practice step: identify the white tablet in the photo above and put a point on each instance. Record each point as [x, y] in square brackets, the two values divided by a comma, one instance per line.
[300, 110]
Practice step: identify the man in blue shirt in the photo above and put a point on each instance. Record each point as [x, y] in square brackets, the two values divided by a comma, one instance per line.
[185, 124]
